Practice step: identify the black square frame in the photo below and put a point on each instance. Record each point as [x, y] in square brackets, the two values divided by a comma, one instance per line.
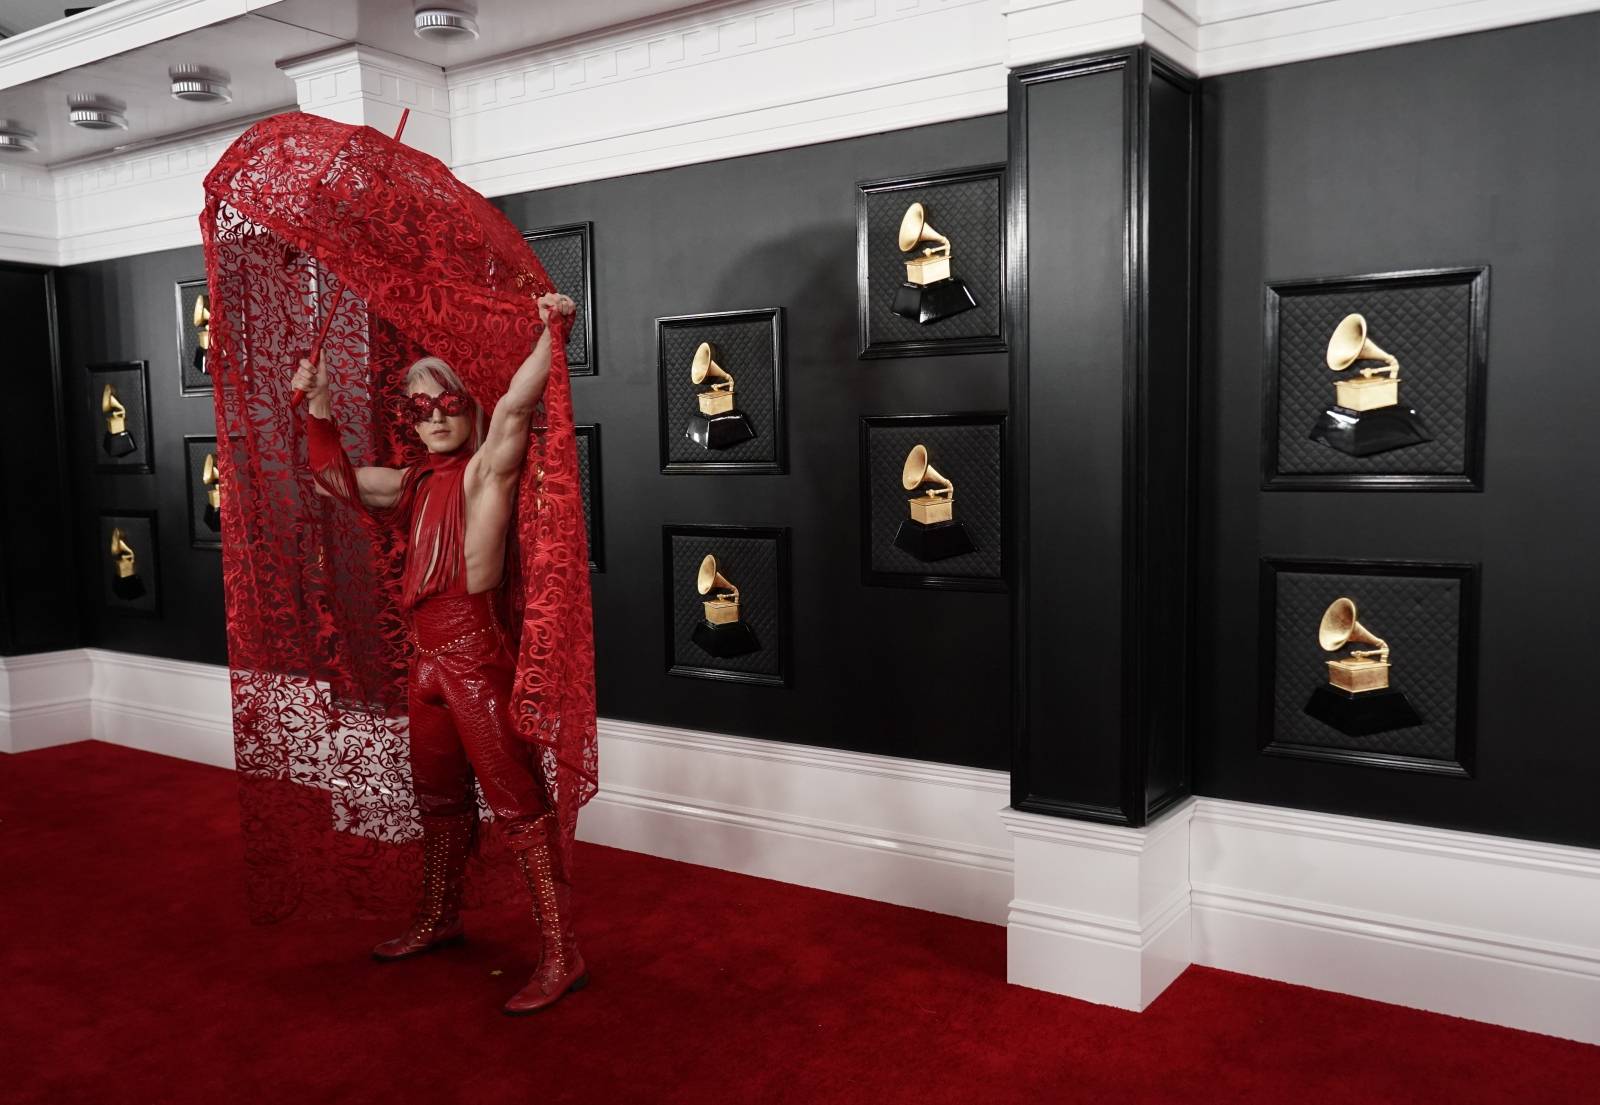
[767, 453]
[131, 381]
[195, 448]
[781, 611]
[980, 193]
[1462, 763]
[139, 526]
[985, 569]
[1463, 421]
[589, 488]
[567, 254]
[190, 381]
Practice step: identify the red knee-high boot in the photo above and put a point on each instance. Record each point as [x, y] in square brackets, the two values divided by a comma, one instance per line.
[561, 967]
[446, 840]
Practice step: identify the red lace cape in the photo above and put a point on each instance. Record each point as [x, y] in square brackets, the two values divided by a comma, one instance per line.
[304, 216]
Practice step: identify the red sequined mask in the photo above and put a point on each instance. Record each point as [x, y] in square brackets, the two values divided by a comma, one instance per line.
[422, 405]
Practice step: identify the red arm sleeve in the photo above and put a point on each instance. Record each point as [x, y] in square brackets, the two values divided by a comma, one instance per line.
[330, 467]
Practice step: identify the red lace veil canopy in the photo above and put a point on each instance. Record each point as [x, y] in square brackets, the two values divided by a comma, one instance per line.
[305, 216]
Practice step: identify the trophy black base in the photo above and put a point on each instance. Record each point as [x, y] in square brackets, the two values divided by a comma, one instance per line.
[1367, 433]
[212, 519]
[200, 361]
[719, 431]
[118, 445]
[932, 542]
[1361, 715]
[127, 588]
[725, 640]
[927, 303]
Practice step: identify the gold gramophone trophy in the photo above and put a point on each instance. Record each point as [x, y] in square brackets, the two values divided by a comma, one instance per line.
[932, 532]
[1357, 699]
[125, 581]
[117, 441]
[716, 425]
[202, 332]
[720, 632]
[211, 478]
[1366, 417]
[930, 292]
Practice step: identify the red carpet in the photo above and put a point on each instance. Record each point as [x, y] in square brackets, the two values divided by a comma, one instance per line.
[128, 974]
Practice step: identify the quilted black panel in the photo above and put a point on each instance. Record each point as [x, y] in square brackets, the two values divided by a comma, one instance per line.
[1419, 616]
[751, 564]
[745, 351]
[969, 456]
[588, 463]
[194, 382]
[565, 256]
[139, 533]
[968, 213]
[1428, 328]
[195, 450]
[128, 380]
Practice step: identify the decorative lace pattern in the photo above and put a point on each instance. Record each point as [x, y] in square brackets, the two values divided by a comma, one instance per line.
[304, 216]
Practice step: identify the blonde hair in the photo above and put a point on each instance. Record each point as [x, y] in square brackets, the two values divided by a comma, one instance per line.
[440, 372]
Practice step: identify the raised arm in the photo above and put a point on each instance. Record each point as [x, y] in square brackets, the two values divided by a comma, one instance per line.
[370, 487]
[506, 444]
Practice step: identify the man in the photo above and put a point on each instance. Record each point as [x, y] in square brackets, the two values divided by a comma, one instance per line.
[456, 506]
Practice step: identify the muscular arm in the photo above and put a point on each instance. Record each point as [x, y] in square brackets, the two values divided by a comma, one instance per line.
[504, 446]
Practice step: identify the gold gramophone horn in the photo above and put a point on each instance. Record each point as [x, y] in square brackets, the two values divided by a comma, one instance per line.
[917, 471]
[1339, 627]
[122, 555]
[202, 322]
[706, 367]
[914, 228]
[1350, 344]
[710, 579]
[116, 414]
[211, 477]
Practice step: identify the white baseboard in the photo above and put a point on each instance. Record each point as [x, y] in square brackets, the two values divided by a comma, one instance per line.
[44, 699]
[1101, 912]
[903, 831]
[1498, 930]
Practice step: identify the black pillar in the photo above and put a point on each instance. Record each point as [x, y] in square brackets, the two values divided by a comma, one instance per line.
[38, 599]
[1102, 240]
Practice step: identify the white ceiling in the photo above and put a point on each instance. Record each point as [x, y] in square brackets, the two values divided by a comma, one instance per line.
[249, 48]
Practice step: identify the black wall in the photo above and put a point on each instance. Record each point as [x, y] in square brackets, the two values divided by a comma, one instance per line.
[904, 672]
[1483, 149]
[126, 310]
[38, 602]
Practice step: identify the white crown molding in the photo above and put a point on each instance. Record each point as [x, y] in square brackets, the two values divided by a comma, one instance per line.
[1045, 30]
[366, 87]
[107, 30]
[736, 79]
[1251, 34]
[740, 79]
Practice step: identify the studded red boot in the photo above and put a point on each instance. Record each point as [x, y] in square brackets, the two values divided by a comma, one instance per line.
[446, 840]
[561, 967]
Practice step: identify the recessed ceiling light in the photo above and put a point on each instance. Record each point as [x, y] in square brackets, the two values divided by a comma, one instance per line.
[445, 25]
[16, 138]
[97, 112]
[200, 84]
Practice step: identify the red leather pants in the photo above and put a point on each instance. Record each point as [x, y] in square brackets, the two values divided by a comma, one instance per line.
[460, 697]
